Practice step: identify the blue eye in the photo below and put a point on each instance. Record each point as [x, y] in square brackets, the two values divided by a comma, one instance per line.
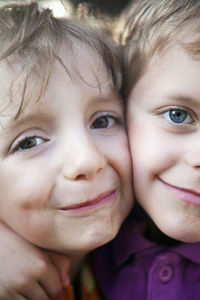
[28, 143]
[178, 116]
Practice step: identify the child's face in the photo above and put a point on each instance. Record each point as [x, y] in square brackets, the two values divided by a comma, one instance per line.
[164, 132]
[64, 163]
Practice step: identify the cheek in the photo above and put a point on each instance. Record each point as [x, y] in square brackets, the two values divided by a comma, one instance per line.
[123, 165]
[118, 158]
[24, 189]
[121, 158]
[24, 202]
[152, 149]
[116, 151]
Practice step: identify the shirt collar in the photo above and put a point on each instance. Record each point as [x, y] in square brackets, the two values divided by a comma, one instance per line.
[190, 251]
[124, 245]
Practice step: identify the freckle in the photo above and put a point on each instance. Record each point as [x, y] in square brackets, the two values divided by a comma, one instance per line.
[26, 205]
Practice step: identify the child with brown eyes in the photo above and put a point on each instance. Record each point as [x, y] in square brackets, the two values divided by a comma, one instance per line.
[64, 159]
[156, 255]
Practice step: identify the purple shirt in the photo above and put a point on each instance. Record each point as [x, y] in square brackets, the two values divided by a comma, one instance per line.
[132, 267]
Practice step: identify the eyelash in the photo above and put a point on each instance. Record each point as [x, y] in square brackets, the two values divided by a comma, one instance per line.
[184, 117]
[108, 118]
[174, 113]
[187, 117]
[19, 144]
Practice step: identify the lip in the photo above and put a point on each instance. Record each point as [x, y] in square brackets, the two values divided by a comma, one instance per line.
[101, 200]
[187, 195]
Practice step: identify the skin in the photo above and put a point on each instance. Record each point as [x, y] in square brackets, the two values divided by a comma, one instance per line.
[64, 151]
[31, 273]
[164, 130]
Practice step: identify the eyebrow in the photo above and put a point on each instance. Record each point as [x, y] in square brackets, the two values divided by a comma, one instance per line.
[112, 97]
[38, 116]
[22, 120]
[185, 99]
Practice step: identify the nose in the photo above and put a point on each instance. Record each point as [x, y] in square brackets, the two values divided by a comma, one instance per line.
[193, 159]
[83, 160]
[192, 156]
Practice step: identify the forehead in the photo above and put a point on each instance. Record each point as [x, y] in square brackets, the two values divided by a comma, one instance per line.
[81, 66]
[173, 62]
[84, 63]
[171, 74]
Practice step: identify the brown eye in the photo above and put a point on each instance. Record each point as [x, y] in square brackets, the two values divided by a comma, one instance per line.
[105, 122]
[101, 122]
[28, 143]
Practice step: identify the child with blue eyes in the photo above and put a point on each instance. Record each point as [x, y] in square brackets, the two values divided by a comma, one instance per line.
[156, 255]
[63, 188]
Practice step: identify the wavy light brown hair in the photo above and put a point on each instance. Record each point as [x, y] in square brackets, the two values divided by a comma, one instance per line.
[30, 37]
[148, 26]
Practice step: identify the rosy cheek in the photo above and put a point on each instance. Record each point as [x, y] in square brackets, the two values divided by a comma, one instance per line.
[27, 205]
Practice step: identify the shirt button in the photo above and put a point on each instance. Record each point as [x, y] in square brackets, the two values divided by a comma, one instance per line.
[165, 273]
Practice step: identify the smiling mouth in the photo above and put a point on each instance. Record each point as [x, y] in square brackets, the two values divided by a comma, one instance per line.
[101, 200]
[187, 195]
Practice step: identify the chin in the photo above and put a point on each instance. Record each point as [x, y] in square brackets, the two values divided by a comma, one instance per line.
[101, 238]
[188, 235]
[93, 241]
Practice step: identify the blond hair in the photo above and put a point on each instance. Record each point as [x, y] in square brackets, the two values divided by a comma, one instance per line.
[30, 37]
[147, 26]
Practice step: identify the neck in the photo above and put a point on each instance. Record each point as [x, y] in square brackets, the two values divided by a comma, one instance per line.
[75, 263]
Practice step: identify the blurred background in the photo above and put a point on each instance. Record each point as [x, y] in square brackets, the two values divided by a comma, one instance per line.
[110, 7]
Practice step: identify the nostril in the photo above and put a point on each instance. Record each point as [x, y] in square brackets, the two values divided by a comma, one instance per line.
[81, 176]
